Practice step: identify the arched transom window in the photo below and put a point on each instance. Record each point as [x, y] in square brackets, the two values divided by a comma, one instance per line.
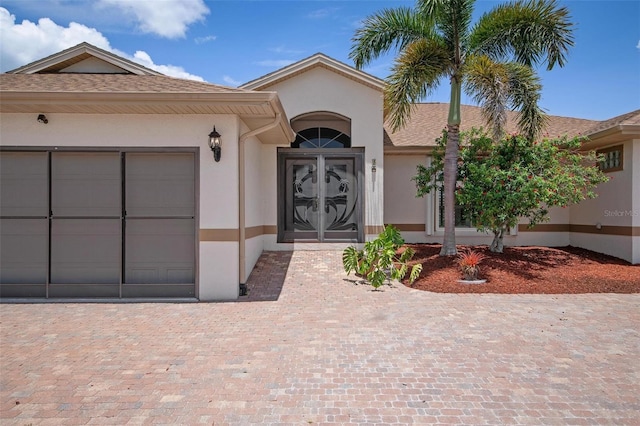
[321, 137]
[321, 130]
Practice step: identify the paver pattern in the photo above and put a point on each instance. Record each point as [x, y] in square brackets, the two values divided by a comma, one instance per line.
[309, 346]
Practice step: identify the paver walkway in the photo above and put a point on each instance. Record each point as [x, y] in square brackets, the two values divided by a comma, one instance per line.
[321, 350]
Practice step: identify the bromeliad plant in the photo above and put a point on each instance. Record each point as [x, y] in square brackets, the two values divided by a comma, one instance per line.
[469, 263]
[379, 260]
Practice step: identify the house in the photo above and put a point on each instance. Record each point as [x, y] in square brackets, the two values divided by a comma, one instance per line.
[109, 187]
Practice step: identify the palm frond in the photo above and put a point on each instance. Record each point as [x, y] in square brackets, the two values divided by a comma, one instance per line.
[488, 84]
[386, 30]
[498, 87]
[530, 32]
[416, 73]
[524, 94]
[453, 22]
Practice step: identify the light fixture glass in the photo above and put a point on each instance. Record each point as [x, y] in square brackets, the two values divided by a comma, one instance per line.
[215, 143]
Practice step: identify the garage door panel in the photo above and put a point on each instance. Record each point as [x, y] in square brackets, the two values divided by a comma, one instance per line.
[85, 251]
[86, 184]
[23, 251]
[24, 184]
[97, 224]
[160, 184]
[159, 251]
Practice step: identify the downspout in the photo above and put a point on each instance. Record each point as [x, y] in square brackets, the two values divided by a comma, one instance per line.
[241, 201]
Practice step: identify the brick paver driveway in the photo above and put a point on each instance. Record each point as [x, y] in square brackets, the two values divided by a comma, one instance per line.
[312, 347]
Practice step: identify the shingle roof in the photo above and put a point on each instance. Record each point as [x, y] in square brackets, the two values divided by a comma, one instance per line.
[103, 83]
[630, 118]
[429, 119]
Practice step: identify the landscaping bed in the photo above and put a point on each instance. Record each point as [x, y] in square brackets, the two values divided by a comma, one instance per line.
[530, 270]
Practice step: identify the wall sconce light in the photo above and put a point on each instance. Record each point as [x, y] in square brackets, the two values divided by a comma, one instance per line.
[373, 166]
[215, 143]
[42, 119]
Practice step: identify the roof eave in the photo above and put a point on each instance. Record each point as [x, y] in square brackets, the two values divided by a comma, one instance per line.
[615, 134]
[254, 108]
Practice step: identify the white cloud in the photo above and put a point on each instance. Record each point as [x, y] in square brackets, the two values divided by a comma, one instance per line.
[201, 40]
[28, 41]
[230, 81]
[143, 58]
[638, 46]
[275, 63]
[284, 50]
[166, 18]
[323, 13]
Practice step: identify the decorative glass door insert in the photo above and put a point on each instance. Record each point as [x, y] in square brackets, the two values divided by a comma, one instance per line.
[322, 199]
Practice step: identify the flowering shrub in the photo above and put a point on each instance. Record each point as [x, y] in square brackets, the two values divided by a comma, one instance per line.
[500, 182]
[469, 262]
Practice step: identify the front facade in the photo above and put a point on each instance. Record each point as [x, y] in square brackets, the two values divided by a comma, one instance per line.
[109, 187]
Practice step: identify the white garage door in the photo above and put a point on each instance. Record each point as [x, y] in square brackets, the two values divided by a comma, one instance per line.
[97, 224]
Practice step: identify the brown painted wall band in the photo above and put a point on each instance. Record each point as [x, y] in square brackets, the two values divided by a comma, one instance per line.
[626, 231]
[231, 235]
[225, 235]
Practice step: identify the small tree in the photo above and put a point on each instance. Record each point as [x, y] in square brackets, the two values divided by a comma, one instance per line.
[502, 182]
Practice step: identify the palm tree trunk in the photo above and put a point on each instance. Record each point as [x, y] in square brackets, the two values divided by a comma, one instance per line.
[451, 170]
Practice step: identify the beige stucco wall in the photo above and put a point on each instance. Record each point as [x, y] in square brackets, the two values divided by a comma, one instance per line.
[217, 262]
[617, 205]
[401, 206]
[254, 210]
[319, 89]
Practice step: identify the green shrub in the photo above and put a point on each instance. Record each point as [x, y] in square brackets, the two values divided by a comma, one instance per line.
[379, 260]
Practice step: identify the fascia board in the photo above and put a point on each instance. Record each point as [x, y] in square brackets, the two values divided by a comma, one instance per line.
[63, 56]
[247, 98]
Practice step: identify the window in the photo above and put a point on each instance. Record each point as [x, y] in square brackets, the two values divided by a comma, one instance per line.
[463, 219]
[613, 159]
[321, 137]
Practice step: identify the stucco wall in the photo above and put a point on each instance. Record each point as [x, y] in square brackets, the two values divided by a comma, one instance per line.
[319, 89]
[254, 209]
[635, 205]
[617, 208]
[218, 197]
[401, 206]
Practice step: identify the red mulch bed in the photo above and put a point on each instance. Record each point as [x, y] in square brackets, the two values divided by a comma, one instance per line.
[531, 270]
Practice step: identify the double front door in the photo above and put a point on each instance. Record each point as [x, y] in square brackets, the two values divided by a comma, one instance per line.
[320, 195]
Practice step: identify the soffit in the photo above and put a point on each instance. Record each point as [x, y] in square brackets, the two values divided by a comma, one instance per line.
[135, 94]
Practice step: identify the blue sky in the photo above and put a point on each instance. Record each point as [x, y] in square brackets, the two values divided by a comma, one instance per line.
[232, 42]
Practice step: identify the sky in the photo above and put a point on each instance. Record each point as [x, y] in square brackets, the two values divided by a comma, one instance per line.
[235, 41]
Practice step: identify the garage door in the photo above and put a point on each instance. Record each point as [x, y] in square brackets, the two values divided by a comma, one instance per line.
[97, 224]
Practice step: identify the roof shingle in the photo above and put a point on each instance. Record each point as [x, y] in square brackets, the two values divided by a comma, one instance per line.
[429, 119]
[106, 83]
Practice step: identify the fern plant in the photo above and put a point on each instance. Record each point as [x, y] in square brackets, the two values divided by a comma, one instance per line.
[379, 260]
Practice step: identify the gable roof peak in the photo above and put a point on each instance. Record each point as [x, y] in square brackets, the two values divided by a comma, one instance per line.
[316, 60]
[57, 62]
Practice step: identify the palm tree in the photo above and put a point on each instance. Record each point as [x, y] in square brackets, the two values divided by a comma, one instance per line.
[492, 60]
